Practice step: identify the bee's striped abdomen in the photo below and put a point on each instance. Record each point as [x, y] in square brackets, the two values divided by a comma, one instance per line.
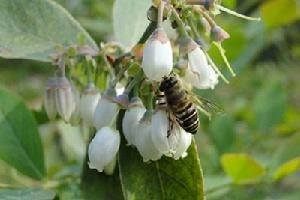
[179, 103]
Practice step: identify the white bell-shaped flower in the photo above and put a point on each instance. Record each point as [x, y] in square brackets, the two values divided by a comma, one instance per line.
[171, 140]
[199, 73]
[88, 102]
[50, 98]
[144, 142]
[158, 56]
[65, 100]
[183, 143]
[159, 133]
[103, 149]
[131, 120]
[105, 112]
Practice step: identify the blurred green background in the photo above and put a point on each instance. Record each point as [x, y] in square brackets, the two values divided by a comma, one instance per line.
[262, 104]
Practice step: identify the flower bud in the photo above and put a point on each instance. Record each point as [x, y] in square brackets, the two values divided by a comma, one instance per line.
[199, 73]
[105, 111]
[144, 142]
[218, 34]
[65, 101]
[158, 57]
[88, 102]
[131, 120]
[50, 98]
[103, 149]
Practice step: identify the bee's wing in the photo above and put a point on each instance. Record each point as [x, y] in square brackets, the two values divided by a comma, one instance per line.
[209, 105]
[206, 106]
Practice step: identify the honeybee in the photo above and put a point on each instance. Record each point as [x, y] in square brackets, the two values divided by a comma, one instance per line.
[182, 106]
[179, 104]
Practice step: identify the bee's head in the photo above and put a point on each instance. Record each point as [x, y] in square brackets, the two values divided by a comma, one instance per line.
[167, 83]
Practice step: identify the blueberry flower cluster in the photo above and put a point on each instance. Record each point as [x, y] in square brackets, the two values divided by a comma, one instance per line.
[147, 125]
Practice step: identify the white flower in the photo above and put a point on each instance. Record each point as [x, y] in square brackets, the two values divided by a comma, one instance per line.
[50, 98]
[183, 143]
[88, 103]
[199, 73]
[158, 56]
[172, 143]
[65, 100]
[103, 149]
[144, 142]
[159, 130]
[105, 112]
[131, 120]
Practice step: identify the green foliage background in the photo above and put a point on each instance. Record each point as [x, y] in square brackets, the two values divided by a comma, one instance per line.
[250, 152]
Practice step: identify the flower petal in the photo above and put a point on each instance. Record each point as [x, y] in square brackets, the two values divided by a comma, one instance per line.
[105, 112]
[103, 148]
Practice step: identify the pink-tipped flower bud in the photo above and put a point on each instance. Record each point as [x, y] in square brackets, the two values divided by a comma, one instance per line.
[50, 98]
[88, 102]
[65, 101]
[103, 150]
[158, 56]
[218, 34]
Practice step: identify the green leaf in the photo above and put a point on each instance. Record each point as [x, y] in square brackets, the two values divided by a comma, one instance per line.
[27, 194]
[223, 133]
[164, 179]
[130, 21]
[287, 168]
[286, 150]
[279, 12]
[20, 143]
[33, 29]
[270, 105]
[242, 168]
[97, 185]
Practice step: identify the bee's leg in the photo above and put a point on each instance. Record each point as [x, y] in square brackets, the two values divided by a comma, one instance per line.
[170, 126]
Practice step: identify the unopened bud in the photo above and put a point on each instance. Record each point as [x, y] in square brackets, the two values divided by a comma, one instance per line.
[50, 98]
[88, 103]
[187, 45]
[65, 100]
[218, 34]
